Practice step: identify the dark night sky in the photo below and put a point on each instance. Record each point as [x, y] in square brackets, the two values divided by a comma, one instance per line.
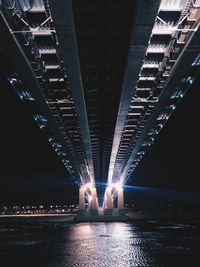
[173, 161]
[31, 172]
[29, 168]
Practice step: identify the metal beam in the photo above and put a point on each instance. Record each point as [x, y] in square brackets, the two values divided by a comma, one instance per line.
[180, 70]
[13, 50]
[141, 31]
[64, 24]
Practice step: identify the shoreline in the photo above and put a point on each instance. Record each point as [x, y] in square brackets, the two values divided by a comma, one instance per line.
[71, 218]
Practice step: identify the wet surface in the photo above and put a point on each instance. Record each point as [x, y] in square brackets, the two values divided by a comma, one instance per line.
[140, 243]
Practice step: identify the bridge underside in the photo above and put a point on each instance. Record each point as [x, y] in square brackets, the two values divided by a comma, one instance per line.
[101, 79]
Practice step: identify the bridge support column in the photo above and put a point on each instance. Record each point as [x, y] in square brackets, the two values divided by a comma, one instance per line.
[120, 203]
[94, 206]
[108, 205]
[82, 198]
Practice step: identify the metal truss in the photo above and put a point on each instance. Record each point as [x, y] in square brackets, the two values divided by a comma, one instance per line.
[31, 25]
[144, 107]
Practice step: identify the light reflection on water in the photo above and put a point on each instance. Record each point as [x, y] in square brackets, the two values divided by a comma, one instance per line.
[102, 245]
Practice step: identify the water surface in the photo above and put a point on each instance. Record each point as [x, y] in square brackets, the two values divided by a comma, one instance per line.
[142, 243]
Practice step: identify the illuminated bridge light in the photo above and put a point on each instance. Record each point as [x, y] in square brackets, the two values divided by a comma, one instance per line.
[147, 78]
[13, 80]
[172, 5]
[116, 185]
[178, 94]
[25, 95]
[161, 28]
[50, 67]
[150, 65]
[163, 116]
[41, 120]
[47, 51]
[41, 32]
[156, 48]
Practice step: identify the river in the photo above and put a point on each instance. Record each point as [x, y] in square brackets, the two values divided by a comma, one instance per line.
[140, 243]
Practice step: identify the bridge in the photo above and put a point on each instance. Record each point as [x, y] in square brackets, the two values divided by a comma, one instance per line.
[101, 79]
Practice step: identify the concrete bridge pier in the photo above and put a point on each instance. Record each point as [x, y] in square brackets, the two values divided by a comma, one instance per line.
[93, 205]
[108, 203]
[82, 199]
[120, 202]
[94, 213]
